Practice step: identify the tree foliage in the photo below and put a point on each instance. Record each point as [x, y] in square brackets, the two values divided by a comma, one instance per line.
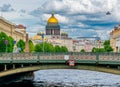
[31, 46]
[10, 44]
[48, 47]
[64, 49]
[107, 42]
[21, 45]
[38, 48]
[57, 48]
[8, 47]
[44, 47]
[98, 50]
[107, 47]
[82, 50]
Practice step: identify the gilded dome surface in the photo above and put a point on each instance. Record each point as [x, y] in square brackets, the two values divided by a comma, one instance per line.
[38, 37]
[52, 19]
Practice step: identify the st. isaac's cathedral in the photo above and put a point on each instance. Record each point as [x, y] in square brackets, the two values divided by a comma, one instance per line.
[53, 27]
[55, 36]
[52, 30]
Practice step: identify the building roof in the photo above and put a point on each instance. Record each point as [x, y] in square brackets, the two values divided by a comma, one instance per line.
[52, 19]
[38, 37]
[20, 26]
[2, 18]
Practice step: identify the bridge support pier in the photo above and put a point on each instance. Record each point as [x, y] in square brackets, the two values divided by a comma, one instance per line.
[5, 67]
[13, 66]
[108, 66]
[30, 64]
[22, 65]
[118, 67]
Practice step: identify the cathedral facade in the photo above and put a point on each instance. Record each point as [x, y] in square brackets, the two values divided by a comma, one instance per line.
[52, 27]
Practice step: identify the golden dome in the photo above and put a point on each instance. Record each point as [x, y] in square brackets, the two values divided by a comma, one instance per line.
[38, 37]
[52, 19]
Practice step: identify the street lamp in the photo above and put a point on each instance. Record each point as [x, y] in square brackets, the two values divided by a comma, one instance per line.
[14, 42]
[6, 43]
[43, 41]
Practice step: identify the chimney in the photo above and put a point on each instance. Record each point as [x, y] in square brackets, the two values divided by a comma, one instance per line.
[27, 44]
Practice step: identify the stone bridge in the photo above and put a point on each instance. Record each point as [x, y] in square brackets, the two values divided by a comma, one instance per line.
[14, 63]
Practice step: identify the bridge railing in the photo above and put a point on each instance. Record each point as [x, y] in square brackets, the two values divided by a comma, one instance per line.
[109, 56]
[24, 56]
[51, 56]
[83, 56]
[60, 56]
[5, 56]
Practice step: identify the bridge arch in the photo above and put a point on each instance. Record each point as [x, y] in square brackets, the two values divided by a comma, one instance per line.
[58, 66]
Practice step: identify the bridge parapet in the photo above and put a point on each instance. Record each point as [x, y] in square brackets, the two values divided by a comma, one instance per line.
[112, 58]
[14, 60]
[83, 56]
[109, 56]
[5, 56]
[24, 56]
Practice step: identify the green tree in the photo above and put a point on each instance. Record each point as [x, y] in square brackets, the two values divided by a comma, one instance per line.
[6, 47]
[107, 42]
[82, 50]
[101, 50]
[31, 46]
[10, 44]
[57, 48]
[48, 47]
[21, 45]
[64, 49]
[107, 46]
[38, 48]
[98, 50]
[3, 37]
[94, 49]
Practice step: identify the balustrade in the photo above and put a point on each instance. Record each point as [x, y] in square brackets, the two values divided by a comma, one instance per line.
[60, 56]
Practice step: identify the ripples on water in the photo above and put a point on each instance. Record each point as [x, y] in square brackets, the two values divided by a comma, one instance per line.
[77, 78]
[69, 78]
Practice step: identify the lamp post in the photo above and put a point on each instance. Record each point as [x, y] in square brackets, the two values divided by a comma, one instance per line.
[43, 41]
[99, 45]
[6, 43]
[15, 48]
[14, 42]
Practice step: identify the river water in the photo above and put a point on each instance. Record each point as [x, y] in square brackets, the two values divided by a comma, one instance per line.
[69, 78]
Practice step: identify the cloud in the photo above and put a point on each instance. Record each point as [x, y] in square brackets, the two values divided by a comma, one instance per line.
[6, 8]
[81, 32]
[103, 34]
[77, 17]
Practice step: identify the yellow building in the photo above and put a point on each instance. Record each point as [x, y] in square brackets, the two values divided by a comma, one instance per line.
[115, 39]
[15, 31]
[38, 38]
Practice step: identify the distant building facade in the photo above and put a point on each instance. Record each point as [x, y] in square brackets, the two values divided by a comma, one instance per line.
[54, 36]
[87, 43]
[15, 31]
[38, 38]
[115, 38]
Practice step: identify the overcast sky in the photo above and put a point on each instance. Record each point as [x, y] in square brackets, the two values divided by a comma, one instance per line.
[80, 18]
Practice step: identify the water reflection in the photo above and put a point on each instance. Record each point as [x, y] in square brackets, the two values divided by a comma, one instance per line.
[75, 78]
[69, 78]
